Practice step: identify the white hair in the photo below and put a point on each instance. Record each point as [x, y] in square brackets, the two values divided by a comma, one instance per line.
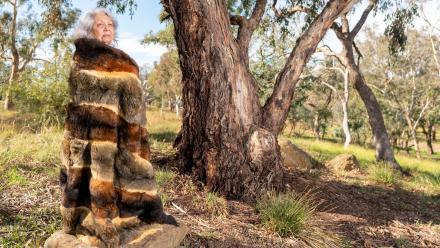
[84, 27]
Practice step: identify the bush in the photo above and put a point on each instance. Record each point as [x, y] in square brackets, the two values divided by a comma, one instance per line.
[45, 100]
[287, 214]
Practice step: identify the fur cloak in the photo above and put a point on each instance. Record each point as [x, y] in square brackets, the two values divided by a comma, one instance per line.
[106, 179]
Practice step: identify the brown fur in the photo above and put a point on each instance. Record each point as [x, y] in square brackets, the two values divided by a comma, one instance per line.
[125, 93]
[131, 167]
[76, 187]
[98, 123]
[91, 54]
[104, 198]
[105, 149]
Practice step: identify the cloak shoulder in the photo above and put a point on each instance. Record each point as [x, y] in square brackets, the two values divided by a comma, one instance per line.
[92, 54]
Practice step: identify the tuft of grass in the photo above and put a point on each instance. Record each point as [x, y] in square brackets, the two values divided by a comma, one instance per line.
[287, 214]
[382, 173]
[163, 177]
[216, 205]
[213, 204]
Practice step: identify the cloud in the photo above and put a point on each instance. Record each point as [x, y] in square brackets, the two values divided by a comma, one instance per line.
[143, 54]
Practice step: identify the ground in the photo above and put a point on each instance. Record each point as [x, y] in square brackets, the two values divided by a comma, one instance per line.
[355, 209]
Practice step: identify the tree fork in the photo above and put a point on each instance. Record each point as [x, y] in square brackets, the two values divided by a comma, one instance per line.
[225, 143]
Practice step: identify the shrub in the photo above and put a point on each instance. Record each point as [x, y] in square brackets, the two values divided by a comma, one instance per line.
[287, 214]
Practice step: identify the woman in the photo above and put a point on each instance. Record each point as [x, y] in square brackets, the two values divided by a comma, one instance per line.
[107, 180]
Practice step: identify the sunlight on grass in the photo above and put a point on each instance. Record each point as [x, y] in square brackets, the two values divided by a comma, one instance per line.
[165, 122]
[25, 148]
[365, 156]
[162, 128]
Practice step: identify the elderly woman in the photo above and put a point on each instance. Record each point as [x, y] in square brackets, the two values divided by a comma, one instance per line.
[107, 179]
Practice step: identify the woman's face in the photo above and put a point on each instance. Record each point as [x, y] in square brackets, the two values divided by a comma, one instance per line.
[103, 28]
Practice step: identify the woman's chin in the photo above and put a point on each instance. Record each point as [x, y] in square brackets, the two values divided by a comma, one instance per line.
[107, 41]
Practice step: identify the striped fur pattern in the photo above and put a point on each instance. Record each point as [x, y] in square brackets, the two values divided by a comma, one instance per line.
[107, 179]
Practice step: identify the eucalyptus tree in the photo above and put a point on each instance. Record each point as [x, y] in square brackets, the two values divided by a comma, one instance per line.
[229, 140]
[407, 81]
[22, 33]
[397, 15]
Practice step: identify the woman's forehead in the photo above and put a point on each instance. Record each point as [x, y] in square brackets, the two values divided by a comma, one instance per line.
[102, 17]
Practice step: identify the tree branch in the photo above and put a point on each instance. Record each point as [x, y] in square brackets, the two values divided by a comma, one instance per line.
[326, 50]
[277, 106]
[30, 56]
[362, 20]
[247, 27]
[291, 10]
[237, 20]
[356, 48]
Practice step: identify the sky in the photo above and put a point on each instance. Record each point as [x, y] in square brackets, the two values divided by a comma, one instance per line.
[145, 19]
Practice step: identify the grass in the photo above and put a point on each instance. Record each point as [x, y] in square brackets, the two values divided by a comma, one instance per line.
[14, 177]
[30, 229]
[382, 173]
[213, 204]
[27, 148]
[426, 173]
[286, 214]
[24, 152]
[163, 177]
[163, 128]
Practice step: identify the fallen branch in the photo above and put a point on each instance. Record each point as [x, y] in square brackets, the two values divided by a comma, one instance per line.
[193, 218]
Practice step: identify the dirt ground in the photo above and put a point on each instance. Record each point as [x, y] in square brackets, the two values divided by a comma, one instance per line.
[359, 215]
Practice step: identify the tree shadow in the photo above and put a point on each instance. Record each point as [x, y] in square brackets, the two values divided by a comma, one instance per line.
[353, 209]
[374, 203]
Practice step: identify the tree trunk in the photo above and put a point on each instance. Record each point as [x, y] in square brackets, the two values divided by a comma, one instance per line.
[428, 135]
[222, 143]
[384, 150]
[413, 133]
[13, 76]
[344, 101]
[225, 141]
[316, 126]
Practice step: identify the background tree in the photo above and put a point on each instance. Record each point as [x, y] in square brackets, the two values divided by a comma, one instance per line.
[407, 80]
[23, 33]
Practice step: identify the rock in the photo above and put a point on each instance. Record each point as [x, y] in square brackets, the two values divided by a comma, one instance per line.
[347, 162]
[154, 235]
[294, 157]
[61, 239]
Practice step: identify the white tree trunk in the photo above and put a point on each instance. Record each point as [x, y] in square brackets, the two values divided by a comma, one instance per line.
[345, 126]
